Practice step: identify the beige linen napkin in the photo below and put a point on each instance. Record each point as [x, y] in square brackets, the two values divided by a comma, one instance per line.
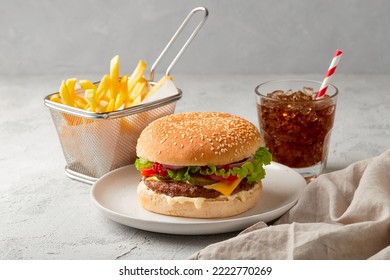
[340, 215]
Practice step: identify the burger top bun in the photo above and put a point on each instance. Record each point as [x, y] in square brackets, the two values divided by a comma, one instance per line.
[198, 138]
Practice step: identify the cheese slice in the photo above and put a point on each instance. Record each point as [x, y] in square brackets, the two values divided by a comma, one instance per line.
[226, 188]
[152, 178]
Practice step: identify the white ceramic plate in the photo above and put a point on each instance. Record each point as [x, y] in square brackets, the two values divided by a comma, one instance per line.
[115, 195]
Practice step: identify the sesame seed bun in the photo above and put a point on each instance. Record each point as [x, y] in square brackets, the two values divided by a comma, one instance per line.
[198, 138]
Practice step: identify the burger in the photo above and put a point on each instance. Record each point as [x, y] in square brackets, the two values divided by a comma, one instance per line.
[200, 165]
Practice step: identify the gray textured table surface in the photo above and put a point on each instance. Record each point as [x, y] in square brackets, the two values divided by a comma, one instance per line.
[45, 215]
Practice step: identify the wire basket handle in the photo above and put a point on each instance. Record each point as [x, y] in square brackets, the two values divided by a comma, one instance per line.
[186, 44]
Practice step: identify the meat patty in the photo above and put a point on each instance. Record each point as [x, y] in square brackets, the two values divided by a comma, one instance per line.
[176, 188]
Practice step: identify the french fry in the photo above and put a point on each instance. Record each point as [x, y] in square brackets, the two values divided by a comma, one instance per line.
[128, 103]
[123, 93]
[119, 101]
[114, 76]
[111, 105]
[103, 88]
[124, 89]
[64, 93]
[71, 85]
[145, 90]
[80, 102]
[102, 105]
[138, 89]
[56, 98]
[136, 75]
[89, 95]
[85, 84]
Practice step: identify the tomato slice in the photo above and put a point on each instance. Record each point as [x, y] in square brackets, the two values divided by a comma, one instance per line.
[160, 169]
[230, 178]
[147, 172]
[156, 169]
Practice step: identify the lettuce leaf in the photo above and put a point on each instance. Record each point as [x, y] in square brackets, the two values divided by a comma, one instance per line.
[252, 171]
[141, 163]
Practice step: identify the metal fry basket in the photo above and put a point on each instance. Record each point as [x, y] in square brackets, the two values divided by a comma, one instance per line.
[97, 143]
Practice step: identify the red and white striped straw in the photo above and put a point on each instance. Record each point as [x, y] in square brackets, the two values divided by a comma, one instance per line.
[329, 74]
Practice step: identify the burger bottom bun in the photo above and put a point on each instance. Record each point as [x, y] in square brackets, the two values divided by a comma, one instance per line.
[220, 207]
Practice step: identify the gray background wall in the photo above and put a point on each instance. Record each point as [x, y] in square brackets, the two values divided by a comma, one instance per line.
[81, 36]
